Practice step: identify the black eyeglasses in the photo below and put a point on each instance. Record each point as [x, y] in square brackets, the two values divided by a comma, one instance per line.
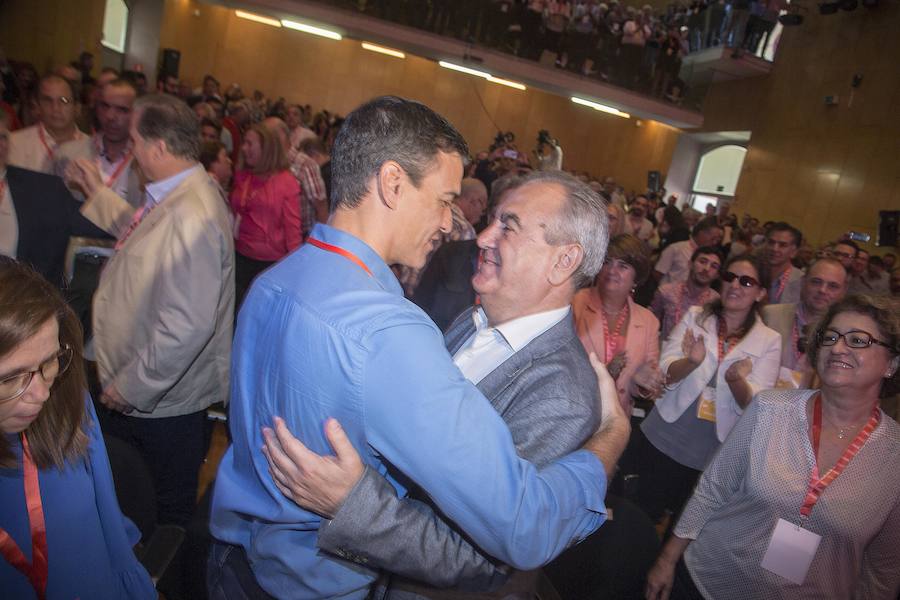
[853, 339]
[744, 280]
[15, 385]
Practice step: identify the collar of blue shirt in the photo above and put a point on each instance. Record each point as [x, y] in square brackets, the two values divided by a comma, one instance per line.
[159, 190]
[380, 271]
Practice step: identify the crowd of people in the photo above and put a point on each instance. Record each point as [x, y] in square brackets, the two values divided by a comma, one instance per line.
[631, 46]
[437, 364]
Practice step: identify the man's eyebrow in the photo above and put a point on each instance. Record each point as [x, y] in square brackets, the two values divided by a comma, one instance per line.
[507, 218]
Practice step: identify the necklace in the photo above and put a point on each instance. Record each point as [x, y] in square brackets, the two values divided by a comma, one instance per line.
[844, 431]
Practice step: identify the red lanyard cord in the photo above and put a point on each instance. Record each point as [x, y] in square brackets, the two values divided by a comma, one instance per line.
[36, 571]
[340, 251]
[817, 485]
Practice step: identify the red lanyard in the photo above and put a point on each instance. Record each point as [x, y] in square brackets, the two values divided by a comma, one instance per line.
[817, 485]
[123, 162]
[338, 250]
[44, 142]
[611, 341]
[782, 281]
[36, 571]
[2, 190]
[724, 340]
[679, 301]
[136, 219]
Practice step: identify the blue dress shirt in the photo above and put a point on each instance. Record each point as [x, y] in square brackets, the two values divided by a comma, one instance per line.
[318, 337]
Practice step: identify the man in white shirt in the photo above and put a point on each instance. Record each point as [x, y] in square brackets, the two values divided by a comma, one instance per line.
[674, 264]
[34, 148]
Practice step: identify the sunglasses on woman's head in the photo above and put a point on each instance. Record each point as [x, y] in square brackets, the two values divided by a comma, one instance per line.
[744, 280]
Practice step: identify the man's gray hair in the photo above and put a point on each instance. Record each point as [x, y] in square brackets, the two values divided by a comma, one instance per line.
[166, 118]
[582, 221]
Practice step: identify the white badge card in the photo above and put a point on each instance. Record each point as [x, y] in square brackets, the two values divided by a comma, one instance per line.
[791, 551]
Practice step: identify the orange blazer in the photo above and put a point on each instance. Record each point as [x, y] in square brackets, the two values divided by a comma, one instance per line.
[641, 338]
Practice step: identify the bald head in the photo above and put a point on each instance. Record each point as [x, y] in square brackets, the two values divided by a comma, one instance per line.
[280, 129]
[472, 199]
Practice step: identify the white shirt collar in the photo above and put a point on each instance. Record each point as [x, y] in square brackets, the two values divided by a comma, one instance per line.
[158, 190]
[519, 332]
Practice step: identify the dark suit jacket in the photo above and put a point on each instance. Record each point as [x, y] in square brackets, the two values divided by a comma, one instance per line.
[445, 289]
[547, 395]
[47, 216]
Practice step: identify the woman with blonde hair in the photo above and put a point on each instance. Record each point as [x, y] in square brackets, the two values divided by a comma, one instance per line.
[265, 201]
[62, 534]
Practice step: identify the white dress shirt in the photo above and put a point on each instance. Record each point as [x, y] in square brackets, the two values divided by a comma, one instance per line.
[489, 347]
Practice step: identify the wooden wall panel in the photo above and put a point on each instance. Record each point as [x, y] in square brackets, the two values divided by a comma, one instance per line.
[340, 75]
[827, 169]
[47, 33]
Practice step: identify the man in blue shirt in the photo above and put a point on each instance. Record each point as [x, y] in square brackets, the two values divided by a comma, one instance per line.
[327, 333]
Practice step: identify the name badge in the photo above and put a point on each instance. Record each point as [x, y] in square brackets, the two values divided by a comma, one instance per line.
[791, 551]
[706, 408]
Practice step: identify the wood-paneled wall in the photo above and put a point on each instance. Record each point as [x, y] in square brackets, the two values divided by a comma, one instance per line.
[341, 75]
[48, 33]
[825, 169]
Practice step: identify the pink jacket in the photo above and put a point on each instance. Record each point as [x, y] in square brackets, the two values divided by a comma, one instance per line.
[641, 338]
[267, 214]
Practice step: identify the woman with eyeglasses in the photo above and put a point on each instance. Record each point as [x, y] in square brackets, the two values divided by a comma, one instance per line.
[62, 534]
[714, 360]
[803, 499]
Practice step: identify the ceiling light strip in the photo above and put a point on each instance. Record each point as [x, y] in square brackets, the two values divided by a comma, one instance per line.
[326, 33]
[600, 107]
[257, 18]
[382, 50]
[506, 82]
[462, 69]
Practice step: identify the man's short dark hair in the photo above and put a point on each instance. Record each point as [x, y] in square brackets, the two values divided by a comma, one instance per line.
[850, 243]
[714, 250]
[704, 225]
[167, 118]
[782, 226]
[209, 153]
[207, 122]
[383, 129]
[210, 78]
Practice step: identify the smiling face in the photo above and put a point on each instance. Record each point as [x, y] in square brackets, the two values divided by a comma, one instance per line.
[17, 414]
[251, 149]
[840, 366]
[616, 277]
[424, 211]
[515, 262]
[56, 105]
[736, 297]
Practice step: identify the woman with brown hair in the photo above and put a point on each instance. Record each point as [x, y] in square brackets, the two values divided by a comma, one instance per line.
[714, 360]
[265, 200]
[623, 334]
[62, 534]
[802, 499]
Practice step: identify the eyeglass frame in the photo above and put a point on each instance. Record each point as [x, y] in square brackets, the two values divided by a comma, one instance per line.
[64, 351]
[729, 276]
[872, 339]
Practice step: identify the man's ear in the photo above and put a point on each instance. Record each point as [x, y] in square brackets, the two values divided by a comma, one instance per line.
[389, 181]
[568, 259]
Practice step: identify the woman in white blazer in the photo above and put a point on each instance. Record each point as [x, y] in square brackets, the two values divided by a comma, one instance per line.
[715, 360]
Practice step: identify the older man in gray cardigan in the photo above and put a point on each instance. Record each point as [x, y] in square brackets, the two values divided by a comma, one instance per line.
[521, 350]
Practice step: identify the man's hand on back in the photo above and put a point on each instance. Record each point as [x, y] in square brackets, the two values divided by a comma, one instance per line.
[317, 483]
[610, 440]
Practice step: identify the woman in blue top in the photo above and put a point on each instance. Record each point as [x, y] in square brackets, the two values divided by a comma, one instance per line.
[62, 534]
